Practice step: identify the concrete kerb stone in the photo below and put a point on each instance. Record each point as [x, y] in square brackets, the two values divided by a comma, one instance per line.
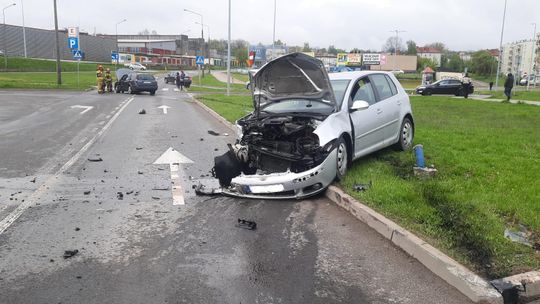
[455, 274]
[213, 113]
[528, 282]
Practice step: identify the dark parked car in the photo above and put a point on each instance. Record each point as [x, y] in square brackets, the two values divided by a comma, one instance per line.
[444, 86]
[133, 82]
[171, 78]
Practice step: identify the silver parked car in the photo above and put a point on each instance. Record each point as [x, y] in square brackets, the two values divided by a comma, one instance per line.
[307, 128]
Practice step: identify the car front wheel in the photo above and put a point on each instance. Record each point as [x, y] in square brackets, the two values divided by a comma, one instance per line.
[406, 135]
[342, 159]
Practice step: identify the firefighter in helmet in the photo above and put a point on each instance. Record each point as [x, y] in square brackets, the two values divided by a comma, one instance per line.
[108, 80]
[99, 75]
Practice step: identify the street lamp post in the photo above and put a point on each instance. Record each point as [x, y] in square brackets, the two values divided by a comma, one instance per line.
[4, 33]
[202, 37]
[531, 68]
[274, 33]
[116, 34]
[229, 54]
[500, 48]
[23, 29]
[396, 46]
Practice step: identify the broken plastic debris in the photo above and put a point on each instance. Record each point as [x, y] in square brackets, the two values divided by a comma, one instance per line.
[142, 111]
[70, 253]
[362, 187]
[138, 148]
[86, 192]
[250, 225]
[517, 236]
[95, 159]
[213, 133]
[120, 195]
[201, 189]
[33, 180]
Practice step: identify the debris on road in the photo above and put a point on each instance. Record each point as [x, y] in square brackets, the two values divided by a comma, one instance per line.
[160, 188]
[95, 158]
[362, 187]
[138, 148]
[33, 180]
[129, 192]
[70, 253]
[201, 139]
[120, 195]
[522, 236]
[245, 224]
[213, 133]
[139, 172]
[142, 111]
[77, 229]
[87, 192]
[155, 197]
[201, 189]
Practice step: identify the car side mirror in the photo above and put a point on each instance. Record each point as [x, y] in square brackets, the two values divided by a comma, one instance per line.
[359, 105]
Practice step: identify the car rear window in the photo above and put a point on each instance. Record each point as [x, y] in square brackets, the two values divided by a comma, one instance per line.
[382, 85]
[145, 77]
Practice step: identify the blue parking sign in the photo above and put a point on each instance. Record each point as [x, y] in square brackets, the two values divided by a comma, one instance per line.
[199, 60]
[73, 42]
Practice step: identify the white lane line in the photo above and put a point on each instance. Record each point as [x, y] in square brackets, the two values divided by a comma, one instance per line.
[108, 116]
[102, 122]
[94, 130]
[86, 108]
[177, 191]
[176, 90]
[83, 139]
[15, 214]
[165, 89]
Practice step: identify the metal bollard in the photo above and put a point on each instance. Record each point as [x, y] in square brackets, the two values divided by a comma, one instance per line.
[419, 153]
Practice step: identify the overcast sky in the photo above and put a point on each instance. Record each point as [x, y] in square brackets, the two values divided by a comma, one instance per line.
[460, 24]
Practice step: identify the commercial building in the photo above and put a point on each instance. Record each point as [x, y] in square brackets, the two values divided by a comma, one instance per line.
[520, 57]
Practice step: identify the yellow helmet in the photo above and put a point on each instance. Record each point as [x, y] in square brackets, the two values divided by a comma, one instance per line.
[108, 70]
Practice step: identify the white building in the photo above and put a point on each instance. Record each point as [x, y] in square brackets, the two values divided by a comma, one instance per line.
[431, 53]
[517, 58]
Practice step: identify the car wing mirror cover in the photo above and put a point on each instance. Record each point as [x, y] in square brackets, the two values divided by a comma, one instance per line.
[359, 105]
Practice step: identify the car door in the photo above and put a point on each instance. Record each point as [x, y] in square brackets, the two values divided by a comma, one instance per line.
[454, 86]
[388, 107]
[122, 82]
[365, 122]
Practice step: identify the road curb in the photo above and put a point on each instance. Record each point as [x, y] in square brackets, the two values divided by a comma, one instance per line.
[213, 113]
[455, 274]
[528, 283]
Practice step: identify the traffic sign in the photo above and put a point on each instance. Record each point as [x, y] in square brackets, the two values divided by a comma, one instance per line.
[199, 60]
[114, 56]
[78, 55]
[73, 32]
[73, 42]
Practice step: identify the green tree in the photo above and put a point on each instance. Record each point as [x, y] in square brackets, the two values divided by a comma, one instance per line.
[306, 48]
[332, 50]
[423, 63]
[411, 48]
[454, 63]
[239, 48]
[482, 62]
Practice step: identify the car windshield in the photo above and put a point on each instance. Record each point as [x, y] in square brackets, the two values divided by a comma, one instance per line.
[145, 77]
[339, 87]
[299, 106]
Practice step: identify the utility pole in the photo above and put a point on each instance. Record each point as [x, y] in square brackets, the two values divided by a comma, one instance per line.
[229, 54]
[274, 33]
[58, 64]
[396, 47]
[23, 30]
[4, 34]
[202, 41]
[531, 68]
[500, 48]
[116, 34]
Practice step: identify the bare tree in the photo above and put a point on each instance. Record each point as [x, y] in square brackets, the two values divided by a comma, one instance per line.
[391, 45]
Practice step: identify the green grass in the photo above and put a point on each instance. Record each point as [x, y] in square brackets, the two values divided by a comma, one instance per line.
[46, 80]
[533, 95]
[487, 157]
[19, 64]
[410, 83]
[488, 179]
[241, 77]
[230, 107]
[214, 85]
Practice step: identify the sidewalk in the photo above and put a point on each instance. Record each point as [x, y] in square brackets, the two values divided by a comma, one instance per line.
[222, 76]
[514, 101]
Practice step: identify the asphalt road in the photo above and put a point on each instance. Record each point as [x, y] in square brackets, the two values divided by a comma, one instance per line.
[137, 247]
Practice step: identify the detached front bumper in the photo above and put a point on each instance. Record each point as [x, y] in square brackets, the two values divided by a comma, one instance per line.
[287, 185]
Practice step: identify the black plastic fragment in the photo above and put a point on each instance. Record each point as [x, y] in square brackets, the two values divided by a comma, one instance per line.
[249, 225]
[213, 133]
[70, 253]
[362, 187]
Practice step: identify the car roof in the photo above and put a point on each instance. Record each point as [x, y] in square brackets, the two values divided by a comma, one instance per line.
[354, 74]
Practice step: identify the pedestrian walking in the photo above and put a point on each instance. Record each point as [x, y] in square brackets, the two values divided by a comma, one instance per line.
[508, 85]
[182, 77]
[466, 85]
[491, 85]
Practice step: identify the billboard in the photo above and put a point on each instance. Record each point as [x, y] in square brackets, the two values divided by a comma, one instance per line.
[342, 59]
[260, 52]
[354, 59]
[371, 59]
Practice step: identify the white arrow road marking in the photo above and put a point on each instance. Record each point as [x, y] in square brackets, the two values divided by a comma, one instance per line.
[86, 108]
[174, 158]
[176, 89]
[49, 183]
[165, 89]
[165, 108]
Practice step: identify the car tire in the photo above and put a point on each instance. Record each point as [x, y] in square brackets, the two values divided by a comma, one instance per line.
[130, 90]
[459, 93]
[427, 93]
[342, 158]
[117, 90]
[406, 135]
[152, 92]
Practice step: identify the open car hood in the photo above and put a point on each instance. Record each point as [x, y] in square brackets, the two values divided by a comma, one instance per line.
[291, 76]
[122, 72]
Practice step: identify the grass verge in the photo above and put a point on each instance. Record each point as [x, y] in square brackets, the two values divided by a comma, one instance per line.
[47, 80]
[19, 64]
[533, 95]
[487, 157]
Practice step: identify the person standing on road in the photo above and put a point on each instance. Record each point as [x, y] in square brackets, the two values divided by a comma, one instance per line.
[99, 76]
[508, 85]
[178, 80]
[182, 77]
[108, 80]
[466, 85]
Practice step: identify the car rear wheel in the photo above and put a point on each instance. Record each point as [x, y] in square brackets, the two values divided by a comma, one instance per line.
[152, 92]
[406, 135]
[342, 159]
[427, 93]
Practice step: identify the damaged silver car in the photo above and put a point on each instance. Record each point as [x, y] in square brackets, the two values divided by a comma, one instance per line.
[307, 128]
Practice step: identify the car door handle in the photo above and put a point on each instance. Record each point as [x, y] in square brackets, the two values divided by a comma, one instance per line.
[379, 111]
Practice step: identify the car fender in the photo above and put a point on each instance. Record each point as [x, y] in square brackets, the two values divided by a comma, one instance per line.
[332, 127]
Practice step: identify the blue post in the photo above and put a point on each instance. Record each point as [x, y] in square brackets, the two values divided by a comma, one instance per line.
[419, 152]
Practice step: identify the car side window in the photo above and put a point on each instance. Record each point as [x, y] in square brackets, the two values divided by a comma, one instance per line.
[363, 90]
[124, 78]
[382, 86]
[393, 87]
